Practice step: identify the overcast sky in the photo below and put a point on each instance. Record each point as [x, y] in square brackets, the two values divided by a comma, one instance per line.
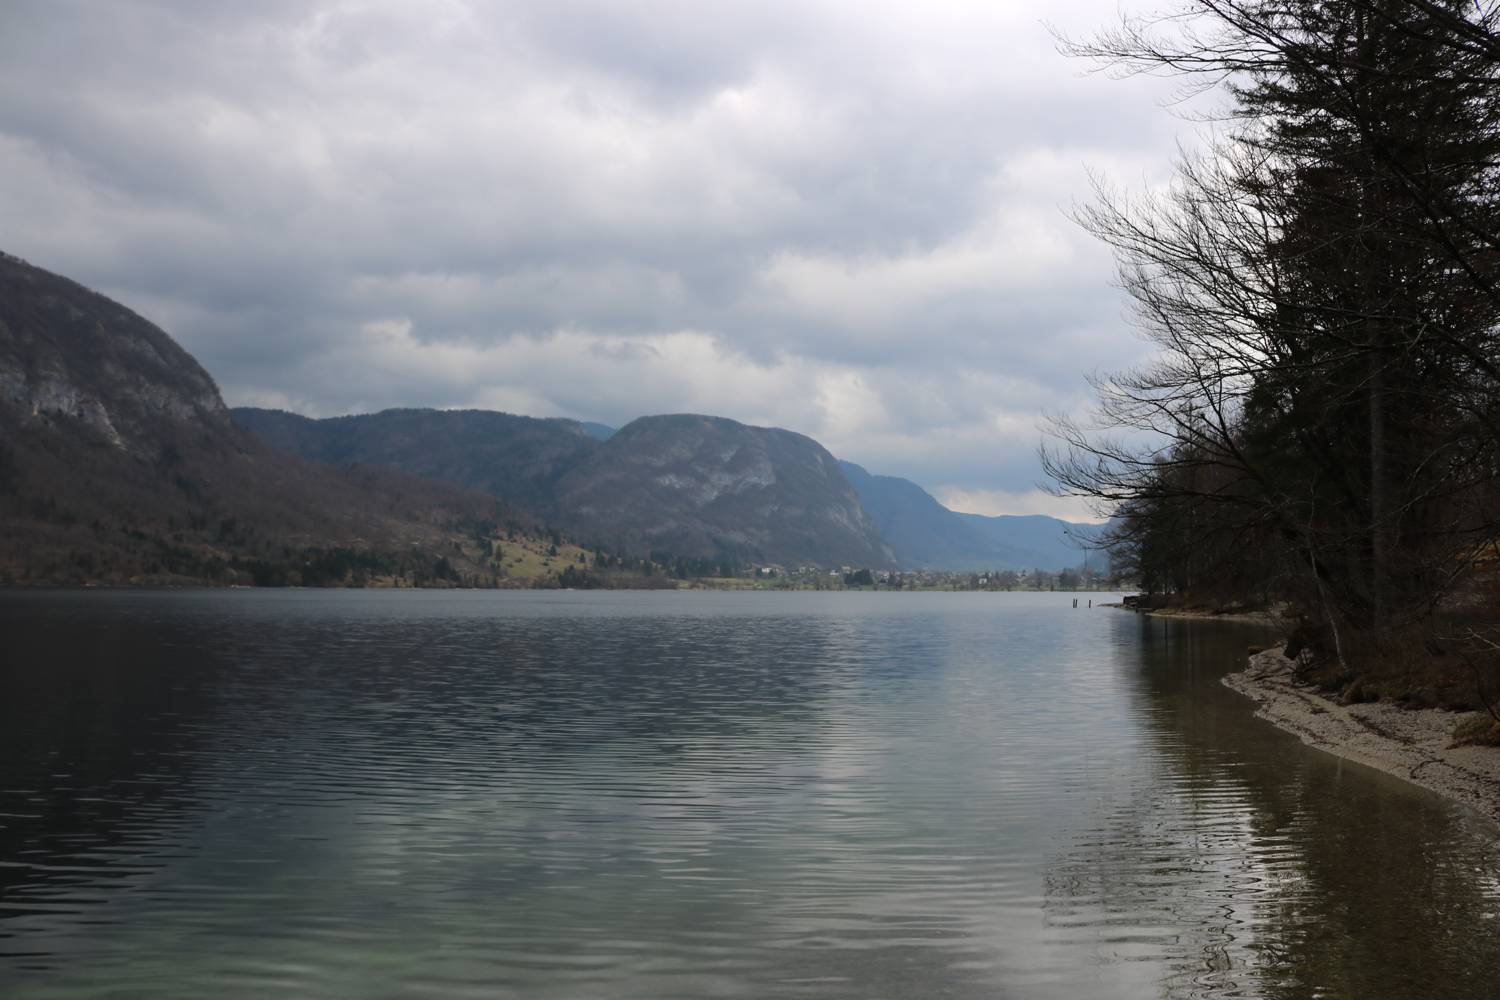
[846, 219]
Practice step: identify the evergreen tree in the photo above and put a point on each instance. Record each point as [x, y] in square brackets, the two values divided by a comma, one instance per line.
[1325, 398]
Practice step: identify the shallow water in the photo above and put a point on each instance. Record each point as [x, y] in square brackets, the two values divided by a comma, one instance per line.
[374, 794]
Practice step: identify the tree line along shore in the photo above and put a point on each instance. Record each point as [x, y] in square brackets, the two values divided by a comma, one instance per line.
[1320, 427]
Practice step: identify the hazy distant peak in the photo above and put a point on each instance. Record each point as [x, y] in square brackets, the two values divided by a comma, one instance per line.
[927, 535]
[597, 431]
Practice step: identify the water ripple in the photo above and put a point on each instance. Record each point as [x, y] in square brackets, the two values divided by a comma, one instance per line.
[690, 795]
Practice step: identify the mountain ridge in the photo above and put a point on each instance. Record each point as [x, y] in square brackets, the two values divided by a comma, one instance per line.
[927, 535]
[688, 484]
[706, 486]
[120, 461]
[497, 452]
[516, 458]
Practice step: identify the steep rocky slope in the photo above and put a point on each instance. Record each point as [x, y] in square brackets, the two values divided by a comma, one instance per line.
[707, 486]
[71, 358]
[119, 462]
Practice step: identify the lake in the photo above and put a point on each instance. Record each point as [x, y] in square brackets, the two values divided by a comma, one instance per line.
[695, 794]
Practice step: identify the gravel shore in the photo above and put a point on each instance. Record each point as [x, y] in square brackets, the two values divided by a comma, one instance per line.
[1411, 743]
[1199, 614]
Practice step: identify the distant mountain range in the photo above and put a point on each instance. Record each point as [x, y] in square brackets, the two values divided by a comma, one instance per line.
[686, 484]
[926, 534]
[689, 485]
[119, 461]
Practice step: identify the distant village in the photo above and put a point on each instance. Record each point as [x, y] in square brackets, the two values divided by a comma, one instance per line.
[1083, 578]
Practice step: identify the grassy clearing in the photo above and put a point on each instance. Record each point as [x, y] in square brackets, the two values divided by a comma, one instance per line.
[527, 560]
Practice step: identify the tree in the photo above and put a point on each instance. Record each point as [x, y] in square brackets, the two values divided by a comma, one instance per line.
[1326, 387]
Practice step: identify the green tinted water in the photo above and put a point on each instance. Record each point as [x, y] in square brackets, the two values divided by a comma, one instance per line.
[350, 794]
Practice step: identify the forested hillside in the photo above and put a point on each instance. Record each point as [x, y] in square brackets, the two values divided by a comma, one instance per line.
[518, 459]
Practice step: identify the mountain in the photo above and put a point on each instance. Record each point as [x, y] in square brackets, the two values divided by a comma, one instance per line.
[74, 361]
[599, 432]
[1033, 541]
[923, 533]
[518, 459]
[707, 486]
[692, 486]
[927, 535]
[120, 463]
[688, 485]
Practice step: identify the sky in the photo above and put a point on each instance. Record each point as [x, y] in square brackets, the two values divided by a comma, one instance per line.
[850, 220]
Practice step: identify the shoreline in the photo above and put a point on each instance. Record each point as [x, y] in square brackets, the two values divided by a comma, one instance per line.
[1254, 617]
[1412, 744]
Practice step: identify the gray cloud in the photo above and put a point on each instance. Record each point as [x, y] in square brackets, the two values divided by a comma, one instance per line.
[846, 219]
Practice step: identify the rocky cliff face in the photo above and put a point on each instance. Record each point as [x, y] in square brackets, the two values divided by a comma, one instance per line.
[120, 463]
[70, 355]
[707, 486]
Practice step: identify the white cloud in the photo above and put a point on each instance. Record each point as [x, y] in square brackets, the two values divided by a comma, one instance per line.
[846, 219]
[1035, 501]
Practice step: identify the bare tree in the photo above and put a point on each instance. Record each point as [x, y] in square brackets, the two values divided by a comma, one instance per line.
[1319, 284]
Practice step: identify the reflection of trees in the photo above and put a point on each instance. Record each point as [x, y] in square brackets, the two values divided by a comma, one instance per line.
[1256, 866]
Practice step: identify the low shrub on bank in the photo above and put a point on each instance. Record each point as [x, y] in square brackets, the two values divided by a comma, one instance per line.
[1442, 662]
[1477, 729]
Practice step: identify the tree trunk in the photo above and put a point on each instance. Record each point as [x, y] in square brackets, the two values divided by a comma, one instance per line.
[1379, 491]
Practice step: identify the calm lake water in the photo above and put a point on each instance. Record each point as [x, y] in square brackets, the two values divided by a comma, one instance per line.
[655, 795]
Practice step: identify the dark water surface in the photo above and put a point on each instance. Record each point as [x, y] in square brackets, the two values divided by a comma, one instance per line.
[656, 795]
